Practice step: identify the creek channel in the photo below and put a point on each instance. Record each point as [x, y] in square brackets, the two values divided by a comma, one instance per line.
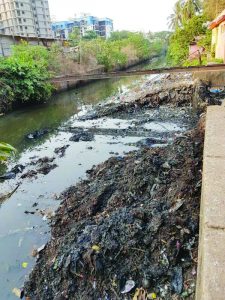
[24, 217]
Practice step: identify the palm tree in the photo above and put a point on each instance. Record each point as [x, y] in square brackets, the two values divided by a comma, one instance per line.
[175, 19]
[191, 8]
[183, 11]
[6, 151]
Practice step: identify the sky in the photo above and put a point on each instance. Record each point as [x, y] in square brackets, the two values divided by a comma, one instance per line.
[133, 15]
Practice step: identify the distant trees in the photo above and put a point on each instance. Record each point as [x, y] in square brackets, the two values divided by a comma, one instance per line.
[119, 35]
[90, 35]
[74, 37]
[122, 47]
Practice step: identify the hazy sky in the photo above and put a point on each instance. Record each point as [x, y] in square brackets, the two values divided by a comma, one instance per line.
[132, 15]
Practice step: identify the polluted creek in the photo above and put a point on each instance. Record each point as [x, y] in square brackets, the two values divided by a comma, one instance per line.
[102, 199]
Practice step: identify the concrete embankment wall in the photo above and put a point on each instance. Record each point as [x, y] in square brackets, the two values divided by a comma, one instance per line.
[64, 84]
[216, 78]
[211, 263]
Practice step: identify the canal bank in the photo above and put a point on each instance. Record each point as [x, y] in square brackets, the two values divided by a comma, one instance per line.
[91, 135]
[20, 233]
[62, 83]
[129, 203]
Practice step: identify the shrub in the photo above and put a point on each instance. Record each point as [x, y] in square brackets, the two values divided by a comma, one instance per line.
[24, 75]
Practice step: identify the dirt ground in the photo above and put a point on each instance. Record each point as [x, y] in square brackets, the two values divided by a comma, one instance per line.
[130, 230]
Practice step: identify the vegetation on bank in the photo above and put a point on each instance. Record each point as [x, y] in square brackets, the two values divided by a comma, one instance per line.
[122, 48]
[189, 23]
[24, 75]
[6, 151]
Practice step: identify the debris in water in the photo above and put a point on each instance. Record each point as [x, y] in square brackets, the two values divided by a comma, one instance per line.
[37, 134]
[24, 265]
[18, 293]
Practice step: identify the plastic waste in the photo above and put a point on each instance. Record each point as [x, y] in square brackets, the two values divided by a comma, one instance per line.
[177, 280]
[130, 284]
[18, 293]
[24, 265]
[96, 248]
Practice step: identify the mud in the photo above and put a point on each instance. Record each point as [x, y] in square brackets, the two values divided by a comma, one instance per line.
[130, 229]
[133, 218]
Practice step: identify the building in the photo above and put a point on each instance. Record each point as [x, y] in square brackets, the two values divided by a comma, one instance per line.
[218, 36]
[30, 18]
[8, 41]
[102, 27]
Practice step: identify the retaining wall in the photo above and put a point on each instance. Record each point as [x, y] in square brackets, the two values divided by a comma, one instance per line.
[211, 263]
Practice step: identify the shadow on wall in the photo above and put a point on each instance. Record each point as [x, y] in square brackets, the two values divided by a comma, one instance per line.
[213, 78]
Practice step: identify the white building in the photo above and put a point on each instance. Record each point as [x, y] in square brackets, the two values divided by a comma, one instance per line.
[102, 27]
[29, 18]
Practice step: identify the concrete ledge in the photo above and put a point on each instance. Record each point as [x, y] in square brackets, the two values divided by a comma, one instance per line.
[211, 264]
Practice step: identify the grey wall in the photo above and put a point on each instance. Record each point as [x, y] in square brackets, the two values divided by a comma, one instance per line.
[6, 43]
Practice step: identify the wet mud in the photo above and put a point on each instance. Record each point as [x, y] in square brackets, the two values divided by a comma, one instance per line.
[130, 229]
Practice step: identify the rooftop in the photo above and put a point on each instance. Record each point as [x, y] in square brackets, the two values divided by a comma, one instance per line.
[215, 23]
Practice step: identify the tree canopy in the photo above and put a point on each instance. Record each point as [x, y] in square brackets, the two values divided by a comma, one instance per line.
[183, 11]
[212, 8]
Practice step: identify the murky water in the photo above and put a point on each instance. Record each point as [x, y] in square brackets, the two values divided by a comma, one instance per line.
[20, 232]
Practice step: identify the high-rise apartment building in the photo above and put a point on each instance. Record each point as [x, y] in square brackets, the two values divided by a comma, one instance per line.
[102, 26]
[29, 18]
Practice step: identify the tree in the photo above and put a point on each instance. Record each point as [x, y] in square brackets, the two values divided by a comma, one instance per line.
[184, 10]
[212, 8]
[90, 35]
[74, 37]
[191, 8]
[175, 19]
[119, 35]
[180, 40]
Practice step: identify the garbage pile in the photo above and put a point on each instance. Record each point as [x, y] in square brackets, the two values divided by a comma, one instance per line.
[129, 231]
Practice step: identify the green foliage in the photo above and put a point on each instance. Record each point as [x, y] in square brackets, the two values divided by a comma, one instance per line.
[74, 37]
[6, 151]
[206, 40]
[195, 62]
[140, 43]
[90, 35]
[180, 40]
[24, 75]
[118, 50]
[184, 10]
[119, 35]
